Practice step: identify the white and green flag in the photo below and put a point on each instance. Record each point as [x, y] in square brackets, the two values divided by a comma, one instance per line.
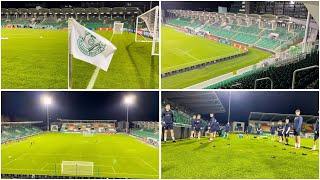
[89, 46]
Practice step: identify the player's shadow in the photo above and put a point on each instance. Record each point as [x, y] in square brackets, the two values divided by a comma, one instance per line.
[202, 146]
[186, 143]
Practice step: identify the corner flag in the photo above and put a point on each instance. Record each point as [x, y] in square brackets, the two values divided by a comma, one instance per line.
[88, 46]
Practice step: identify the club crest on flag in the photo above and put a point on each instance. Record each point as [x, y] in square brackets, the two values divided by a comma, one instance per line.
[90, 45]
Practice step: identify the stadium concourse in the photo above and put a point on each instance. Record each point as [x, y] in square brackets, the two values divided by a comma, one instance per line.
[263, 47]
[44, 27]
[78, 148]
[217, 135]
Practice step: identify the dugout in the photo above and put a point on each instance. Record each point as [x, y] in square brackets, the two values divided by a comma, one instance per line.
[186, 104]
[265, 120]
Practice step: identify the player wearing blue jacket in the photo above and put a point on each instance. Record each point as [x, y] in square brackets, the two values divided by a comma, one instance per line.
[273, 130]
[214, 127]
[280, 131]
[286, 131]
[227, 130]
[316, 134]
[168, 119]
[198, 126]
[297, 126]
[193, 120]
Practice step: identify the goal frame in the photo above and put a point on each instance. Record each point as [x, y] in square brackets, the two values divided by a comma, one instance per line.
[119, 23]
[76, 171]
[155, 34]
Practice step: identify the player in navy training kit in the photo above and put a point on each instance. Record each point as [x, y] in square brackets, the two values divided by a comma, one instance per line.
[168, 119]
[193, 120]
[280, 131]
[286, 131]
[213, 127]
[316, 134]
[297, 125]
[273, 130]
[197, 126]
[227, 130]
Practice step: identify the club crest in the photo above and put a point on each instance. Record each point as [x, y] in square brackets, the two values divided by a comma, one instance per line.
[90, 45]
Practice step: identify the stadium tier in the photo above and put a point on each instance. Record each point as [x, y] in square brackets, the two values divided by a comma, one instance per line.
[56, 18]
[12, 132]
[270, 33]
[280, 75]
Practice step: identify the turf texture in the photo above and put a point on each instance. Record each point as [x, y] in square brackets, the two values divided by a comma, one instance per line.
[200, 48]
[114, 156]
[34, 58]
[237, 158]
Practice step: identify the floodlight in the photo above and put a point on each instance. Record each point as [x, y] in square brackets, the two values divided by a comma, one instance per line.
[46, 100]
[129, 99]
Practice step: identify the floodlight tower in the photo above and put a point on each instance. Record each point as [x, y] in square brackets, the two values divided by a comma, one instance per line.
[128, 100]
[47, 100]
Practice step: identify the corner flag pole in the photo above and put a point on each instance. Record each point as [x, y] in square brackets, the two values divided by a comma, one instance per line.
[69, 56]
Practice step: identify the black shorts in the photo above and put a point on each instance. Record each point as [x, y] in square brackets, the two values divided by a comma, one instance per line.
[286, 134]
[197, 129]
[296, 133]
[316, 136]
[212, 130]
[280, 133]
[168, 126]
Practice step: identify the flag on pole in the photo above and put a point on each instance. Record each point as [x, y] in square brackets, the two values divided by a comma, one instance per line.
[89, 46]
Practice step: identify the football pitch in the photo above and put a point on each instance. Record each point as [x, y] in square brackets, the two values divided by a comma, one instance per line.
[182, 50]
[114, 156]
[36, 58]
[234, 158]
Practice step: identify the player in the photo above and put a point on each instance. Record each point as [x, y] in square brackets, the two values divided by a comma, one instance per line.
[280, 131]
[316, 134]
[273, 130]
[227, 130]
[213, 127]
[259, 130]
[193, 120]
[198, 126]
[297, 125]
[286, 131]
[168, 119]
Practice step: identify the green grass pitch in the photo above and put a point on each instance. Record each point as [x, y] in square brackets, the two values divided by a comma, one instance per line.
[34, 58]
[236, 158]
[113, 155]
[179, 49]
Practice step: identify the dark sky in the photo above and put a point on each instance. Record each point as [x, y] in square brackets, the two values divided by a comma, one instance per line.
[60, 4]
[80, 105]
[195, 5]
[285, 102]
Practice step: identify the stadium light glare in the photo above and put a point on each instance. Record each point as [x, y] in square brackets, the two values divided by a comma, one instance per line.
[129, 99]
[46, 100]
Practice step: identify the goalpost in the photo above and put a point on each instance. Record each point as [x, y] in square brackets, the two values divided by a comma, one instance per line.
[117, 27]
[75, 168]
[147, 29]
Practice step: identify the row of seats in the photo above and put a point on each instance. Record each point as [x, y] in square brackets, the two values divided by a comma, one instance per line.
[16, 132]
[145, 133]
[251, 35]
[281, 76]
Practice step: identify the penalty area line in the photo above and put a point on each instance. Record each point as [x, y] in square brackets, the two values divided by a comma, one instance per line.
[95, 73]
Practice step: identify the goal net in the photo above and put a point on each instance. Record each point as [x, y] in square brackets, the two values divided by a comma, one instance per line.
[117, 27]
[77, 168]
[147, 29]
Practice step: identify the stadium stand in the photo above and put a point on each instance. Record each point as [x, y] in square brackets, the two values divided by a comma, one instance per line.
[12, 131]
[56, 18]
[271, 33]
[280, 75]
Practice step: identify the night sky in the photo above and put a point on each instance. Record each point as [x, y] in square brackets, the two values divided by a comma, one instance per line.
[244, 102]
[80, 105]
